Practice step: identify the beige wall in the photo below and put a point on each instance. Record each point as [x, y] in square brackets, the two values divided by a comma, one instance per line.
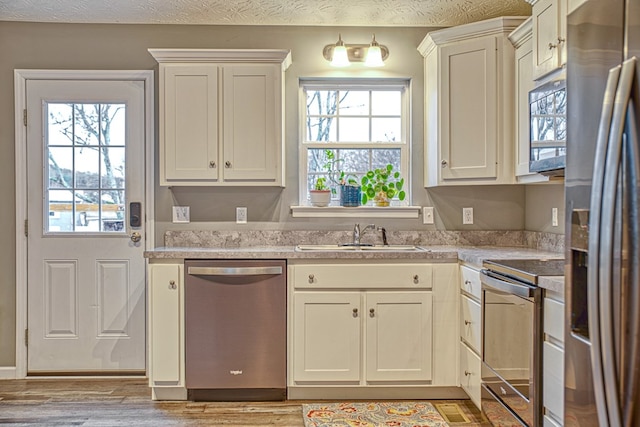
[64, 46]
[539, 200]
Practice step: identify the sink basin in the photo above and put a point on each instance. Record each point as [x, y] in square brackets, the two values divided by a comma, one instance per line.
[328, 248]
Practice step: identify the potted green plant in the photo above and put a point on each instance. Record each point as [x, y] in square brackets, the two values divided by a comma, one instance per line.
[320, 195]
[381, 185]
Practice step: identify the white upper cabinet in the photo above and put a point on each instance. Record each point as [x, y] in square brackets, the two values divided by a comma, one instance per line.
[469, 103]
[549, 36]
[221, 116]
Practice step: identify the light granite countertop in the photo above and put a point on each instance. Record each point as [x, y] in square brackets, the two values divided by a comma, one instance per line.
[473, 255]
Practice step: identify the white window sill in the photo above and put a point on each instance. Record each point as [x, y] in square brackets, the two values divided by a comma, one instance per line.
[409, 212]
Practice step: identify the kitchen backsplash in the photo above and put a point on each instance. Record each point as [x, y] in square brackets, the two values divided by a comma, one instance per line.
[234, 238]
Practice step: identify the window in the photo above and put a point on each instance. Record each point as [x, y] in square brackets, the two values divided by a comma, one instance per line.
[85, 148]
[350, 127]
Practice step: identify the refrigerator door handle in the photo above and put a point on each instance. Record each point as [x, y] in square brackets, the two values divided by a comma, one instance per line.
[594, 241]
[609, 200]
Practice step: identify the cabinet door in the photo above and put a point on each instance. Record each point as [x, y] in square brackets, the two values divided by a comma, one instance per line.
[165, 325]
[469, 139]
[524, 84]
[189, 123]
[252, 111]
[398, 345]
[326, 337]
[546, 32]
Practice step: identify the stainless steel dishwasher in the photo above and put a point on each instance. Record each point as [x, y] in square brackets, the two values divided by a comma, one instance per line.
[235, 321]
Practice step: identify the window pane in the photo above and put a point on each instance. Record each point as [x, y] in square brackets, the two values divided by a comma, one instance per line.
[321, 102]
[60, 167]
[86, 129]
[112, 210]
[354, 130]
[382, 157]
[386, 130]
[112, 168]
[355, 161]
[354, 103]
[60, 207]
[87, 167]
[87, 205]
[60, 130]
[113, 124]
[321, 129]
[386, 103]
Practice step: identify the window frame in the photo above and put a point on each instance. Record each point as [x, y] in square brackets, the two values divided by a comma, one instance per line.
[361, 84]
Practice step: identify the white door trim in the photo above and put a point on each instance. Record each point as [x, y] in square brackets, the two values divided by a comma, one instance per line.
[20, 82]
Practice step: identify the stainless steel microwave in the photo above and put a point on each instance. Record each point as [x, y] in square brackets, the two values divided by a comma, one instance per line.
[548, 128]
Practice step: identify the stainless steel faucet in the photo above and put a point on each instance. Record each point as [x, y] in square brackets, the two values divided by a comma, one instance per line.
[357, 234]
[383, 233]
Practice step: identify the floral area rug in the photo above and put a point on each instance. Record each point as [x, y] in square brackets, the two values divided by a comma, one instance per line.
[372, 414]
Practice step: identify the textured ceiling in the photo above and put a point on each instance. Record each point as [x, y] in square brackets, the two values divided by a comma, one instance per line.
[263, 12]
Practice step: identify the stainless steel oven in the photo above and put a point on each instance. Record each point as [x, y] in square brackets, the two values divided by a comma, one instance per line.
[512, 340]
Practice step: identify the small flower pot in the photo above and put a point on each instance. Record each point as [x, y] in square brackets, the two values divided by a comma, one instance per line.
[320, 198]
[350, 195]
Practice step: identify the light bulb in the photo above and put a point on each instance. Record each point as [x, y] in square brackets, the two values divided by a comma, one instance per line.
[374, 55]
[340, 57]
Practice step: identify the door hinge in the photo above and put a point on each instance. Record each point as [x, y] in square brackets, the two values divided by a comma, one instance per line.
[26, 337]
[24, 116]
[26, 228]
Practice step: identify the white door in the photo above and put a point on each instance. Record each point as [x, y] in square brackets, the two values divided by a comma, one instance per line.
[86, 274]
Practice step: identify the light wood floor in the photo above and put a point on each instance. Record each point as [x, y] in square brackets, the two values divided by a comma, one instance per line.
[127, 402]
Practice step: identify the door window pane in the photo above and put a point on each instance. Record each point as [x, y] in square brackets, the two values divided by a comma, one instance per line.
[85, 180]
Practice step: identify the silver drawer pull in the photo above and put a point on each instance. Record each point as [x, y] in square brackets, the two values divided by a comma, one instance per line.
[355, 312]
[467, 322]
[467, 373]
[416, 279]
[467, 282]
[172, 284]
[372, 312]
[311, 278]
[233, 271]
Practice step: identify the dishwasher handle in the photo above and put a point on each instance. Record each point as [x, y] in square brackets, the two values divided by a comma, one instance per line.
[234, 271]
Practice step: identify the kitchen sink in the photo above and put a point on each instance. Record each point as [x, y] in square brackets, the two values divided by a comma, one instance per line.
[331, 248]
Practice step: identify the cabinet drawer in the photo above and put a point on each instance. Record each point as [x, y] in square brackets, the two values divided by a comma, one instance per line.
[331, 276]
[470, 322]
[470, 373]
[554, 319]
[553, 379]
[470, 281]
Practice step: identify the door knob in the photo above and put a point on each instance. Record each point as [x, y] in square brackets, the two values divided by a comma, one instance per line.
[136, 237]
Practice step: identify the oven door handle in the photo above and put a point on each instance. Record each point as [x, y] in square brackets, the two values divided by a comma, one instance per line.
[493, 284]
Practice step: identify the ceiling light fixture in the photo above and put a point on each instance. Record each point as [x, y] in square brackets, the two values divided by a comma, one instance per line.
[342, 55]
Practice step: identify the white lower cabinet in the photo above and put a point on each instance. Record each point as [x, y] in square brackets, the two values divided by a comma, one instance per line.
[361, 326]
[470, 332]
[553, 360]
[166, 336]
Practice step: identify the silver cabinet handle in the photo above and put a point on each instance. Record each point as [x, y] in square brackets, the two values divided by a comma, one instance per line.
[467, 322]
[212, 164]
[416, 279]
[467, 282]
[372, 312]
[467, 373]
[227, 164]
[172, 284]
[136, 237]
[311, 278]
[444, 163]
[233, 271]
[552, 46]
[355, 312]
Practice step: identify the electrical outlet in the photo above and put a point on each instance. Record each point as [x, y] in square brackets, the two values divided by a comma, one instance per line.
[427, 215]
[554, 217]
[241, 215]
[467, 215]
[181, 214]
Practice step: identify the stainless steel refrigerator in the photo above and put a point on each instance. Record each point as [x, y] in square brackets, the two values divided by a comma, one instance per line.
[602, 184]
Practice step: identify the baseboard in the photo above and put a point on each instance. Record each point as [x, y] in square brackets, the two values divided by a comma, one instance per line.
[346, 392]
[8, 373]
